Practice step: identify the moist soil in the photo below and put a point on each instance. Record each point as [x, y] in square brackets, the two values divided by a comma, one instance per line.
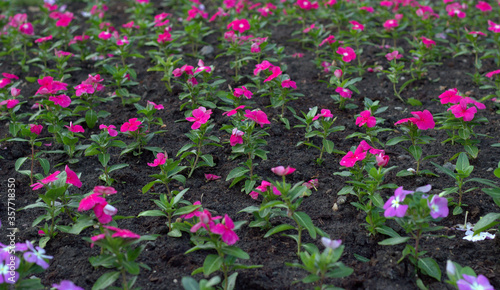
[166, 255]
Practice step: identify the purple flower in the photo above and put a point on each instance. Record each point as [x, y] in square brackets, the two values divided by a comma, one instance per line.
[393, 206]
[473, 283]
[332, 244]
[6, 270]
[36, 256]
[67, 285]
[438, 206]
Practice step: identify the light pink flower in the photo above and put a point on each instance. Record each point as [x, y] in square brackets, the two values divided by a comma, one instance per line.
[382, 159]
[200, 116]
[104, 190]
[282, 171]
[393, 55]
[15, 92]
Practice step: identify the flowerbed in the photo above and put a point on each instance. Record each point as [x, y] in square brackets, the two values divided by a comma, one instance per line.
[284, 145]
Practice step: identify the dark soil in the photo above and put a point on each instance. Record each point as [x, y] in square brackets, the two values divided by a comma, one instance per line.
[166, 255]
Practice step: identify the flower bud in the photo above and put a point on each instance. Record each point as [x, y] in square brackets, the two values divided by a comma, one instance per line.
[110, 210]
[382, 159]
[338, 73]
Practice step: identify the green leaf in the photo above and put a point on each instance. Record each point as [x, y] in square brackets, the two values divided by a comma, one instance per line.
[236, 252]
[396, 140]
[328, 145]
[43, 242]
[394, 241]
[19, 162]
[462, 162]
[430, 268]
[211, 264]
[237, 172]
[154, 212]
[488, 221]
[131, 267]
[91, 118]
[277, 229]
[472, 150]
[415, 151]
[361, 258]
[305, 220]
[385, 230]
[189, 283]
[106, 280]
[414, 102]
[457, 210]
[231, 281]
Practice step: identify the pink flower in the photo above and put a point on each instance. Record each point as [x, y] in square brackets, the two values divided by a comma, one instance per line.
[89, 202]
[10, 76]
[105, 35]
[49, 87]
[154, 105]
[492, 73]
[75, 128]
[11, 103]
[393, 206]
[132, 125]
[43, 39]
[239, 25]
[282, 171]
[72, 178]
[393, 55]
[288, 84]
[347, 53]
[352, 157]
[257, 116]
[201, 67]
[332, 244]
[15, 92]
[36, 129]
[195, 11]
[26, 28]
[123, 233]
[477, 33]
[423, 120]
[493, 26]
[455, 9]
[330, 39]
[111, 129]
[386, 3]
[382, 159]
[483, 6]
[122, 41]
[313, 183]
[429, 43]
[191, 214]
[233, 111]
[325, 113]
[338, 73]
[326, 66]
[225, 229]
[367, 9]
[61, 100]
[104, 190]
[164, 37]
[236, 137]
[461, 111]
[309, 28]
[46, 180]
[187, 69]
[243, 91]
[357, 26]
[275, 72]
[60, 53]
[390, 24]
[161, 158]
[210, 177]
[261, 66]
[450, 96]
[438, 206]
[297, 55]
[200, 116]
[366, 117]
[343, 92]
[206, 221]
[307, 5]
[4, 82]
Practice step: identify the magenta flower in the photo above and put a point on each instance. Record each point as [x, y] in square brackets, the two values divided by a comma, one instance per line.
[164, 37]
[104, 212]
[289, 84]
[209, 176]
[123, 233]
[61, 100]
[429, 43]
[313, 183]
[187, 69]
[200, 116]
[393, 55]
[366, 117]
[26, 28]
[282, 171]
[382, 159]
[344, 92]
[239, 25]
[49, 87]
[75, 128]
[484, 6]
[493, 26]
[261, 66]
[257, 116]
[233, 111]
[43, 39]
[46, 180]
[11, 103]
[450, 96]
[111, 129]
[367, 9]
[89, 202]
[132, 125]
[309, 28]
[390, 24]
[473, 283]
[206, 221]
[4, 82]
[60, 53]
[275, 72]
[161, 158]
[455, 9]
[352, 157]
[357, 26]
[263, 186]
[191, 214]
[202, 67]
[438, 207]
[105, 35]
[236, 137]
[461, 111]
[325, 113]
[35, 129]
[493, 73]
[36, 256]
[347, 53]
[225, 229]
[332, 244]
[423, 120]
[104, 190]
[154, 105]
[243, 91]
[330, 39]
[307, 5]
[393, 206]
[72, 178]
[122, 41]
